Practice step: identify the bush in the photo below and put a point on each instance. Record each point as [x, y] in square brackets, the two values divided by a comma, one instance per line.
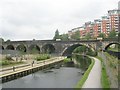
[42, 57]
[8, 58]
[91, 53]
[5, 62]
[67, 60]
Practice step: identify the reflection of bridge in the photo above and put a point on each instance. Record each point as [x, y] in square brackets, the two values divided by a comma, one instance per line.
[58, 47]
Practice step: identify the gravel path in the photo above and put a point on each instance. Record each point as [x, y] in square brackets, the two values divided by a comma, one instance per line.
[94, 78]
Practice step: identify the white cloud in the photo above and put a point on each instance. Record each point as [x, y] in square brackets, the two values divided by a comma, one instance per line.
[28, 19]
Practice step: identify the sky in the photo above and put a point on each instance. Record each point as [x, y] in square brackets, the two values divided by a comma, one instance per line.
[39, 19]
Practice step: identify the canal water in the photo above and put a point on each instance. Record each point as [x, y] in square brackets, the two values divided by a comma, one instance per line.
[64, 77]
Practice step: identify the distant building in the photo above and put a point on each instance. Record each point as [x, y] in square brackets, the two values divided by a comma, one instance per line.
[114, 16]
[108, 23]
[82, 32]
[87, 26]
[96, 28]
[105, 25]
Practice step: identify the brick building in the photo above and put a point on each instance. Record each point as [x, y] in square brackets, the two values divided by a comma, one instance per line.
[82, 32]
[114, 19]
[105, 26]
[96, 28]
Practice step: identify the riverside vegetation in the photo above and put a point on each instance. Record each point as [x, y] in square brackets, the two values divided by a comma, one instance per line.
[104, 77]
[8, 61]
[43, 57]
[110, 64]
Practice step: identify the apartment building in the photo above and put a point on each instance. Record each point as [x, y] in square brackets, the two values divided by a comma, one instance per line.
[105, 25]
[82, 32]
[114, 16]
[96, 28]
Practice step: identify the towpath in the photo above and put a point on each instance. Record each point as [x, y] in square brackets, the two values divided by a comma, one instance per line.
[94, 78]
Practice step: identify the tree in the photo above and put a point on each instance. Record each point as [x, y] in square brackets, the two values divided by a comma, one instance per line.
[84, 50]
[88, 36]
[118, 35]
[76, 35]
[1, 40]
[64, 37]
[102, 35]
[57, 36]
[80, 49]
[112, 34]
[8, 40]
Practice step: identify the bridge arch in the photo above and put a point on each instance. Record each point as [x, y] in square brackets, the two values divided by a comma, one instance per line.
[48, 48]
[34, 48]
[10, 47]
[1, 47]
[107, 46]
[21, 47]
[68, 50]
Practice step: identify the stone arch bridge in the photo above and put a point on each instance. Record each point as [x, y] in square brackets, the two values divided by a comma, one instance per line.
[64, 48]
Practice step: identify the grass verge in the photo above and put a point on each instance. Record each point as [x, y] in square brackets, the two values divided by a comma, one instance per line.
[7, 63]
[104, 78]
[85, 76]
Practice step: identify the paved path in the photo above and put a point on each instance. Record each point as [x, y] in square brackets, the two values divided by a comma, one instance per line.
[94, 78]
[35, 65]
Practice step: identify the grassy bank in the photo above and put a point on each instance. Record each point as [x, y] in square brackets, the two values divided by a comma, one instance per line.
[104, 78]
[43, 57]
[85, 76]
[7, 63]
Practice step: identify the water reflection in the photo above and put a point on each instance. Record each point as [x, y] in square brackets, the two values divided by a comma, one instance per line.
[65, 77]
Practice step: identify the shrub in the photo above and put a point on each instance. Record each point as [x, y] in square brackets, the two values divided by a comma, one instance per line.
[67, 60]
[42, 57]
[4, 62]
[8, 58]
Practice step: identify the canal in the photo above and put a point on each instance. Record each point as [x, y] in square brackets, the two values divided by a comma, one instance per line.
[64, 77]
